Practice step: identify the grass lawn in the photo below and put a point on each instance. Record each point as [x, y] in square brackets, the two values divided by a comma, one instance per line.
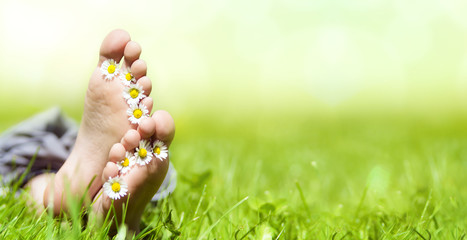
[297, 176]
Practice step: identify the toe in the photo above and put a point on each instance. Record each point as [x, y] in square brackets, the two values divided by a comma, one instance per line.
[130, 140]
[132, 52]
[146, 84]
[110, 170]
[117, 152]
[148, 103]
[165, 126]
[139, 68]
[147, 127]
[113, 45]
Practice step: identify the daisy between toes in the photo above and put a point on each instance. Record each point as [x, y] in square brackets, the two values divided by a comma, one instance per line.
[160, 150]
[126, 164]
[116, 188]
[109, 69]
[133, 94]
[136, 112]
[127, 77]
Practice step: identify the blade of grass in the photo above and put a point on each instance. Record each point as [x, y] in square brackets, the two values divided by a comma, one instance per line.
[302, 196]
[425, 209]
[360, 204]
[26, 172]
[218, 220]
[200, 201]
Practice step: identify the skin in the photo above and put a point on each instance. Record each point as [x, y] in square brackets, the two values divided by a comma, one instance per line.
[104, 136]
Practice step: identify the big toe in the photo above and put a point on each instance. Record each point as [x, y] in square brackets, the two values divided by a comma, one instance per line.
[113, 46]
[165, 126]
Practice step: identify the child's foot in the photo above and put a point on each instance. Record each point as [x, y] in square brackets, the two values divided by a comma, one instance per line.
[142, 181]
[104, 122]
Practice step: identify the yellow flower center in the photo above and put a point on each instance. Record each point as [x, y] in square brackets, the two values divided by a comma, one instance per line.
[126, 162]
[157, 150]
[134, 93]
[128, 76]
[143, 153]
[111, 68]
[116, 187]
[137, 113]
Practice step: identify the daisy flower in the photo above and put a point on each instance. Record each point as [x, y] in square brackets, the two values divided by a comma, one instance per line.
[133, 94]
[143, 154]
[136, 112]
[160, 150]
[115, 188]
[109, 69]
[127, 77]
[125, 165]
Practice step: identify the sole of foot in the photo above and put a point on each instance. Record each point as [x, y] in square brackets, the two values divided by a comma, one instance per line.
[142, 181]
[104, 123]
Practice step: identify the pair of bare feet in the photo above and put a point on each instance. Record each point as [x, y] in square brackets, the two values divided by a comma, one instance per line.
[106, 134]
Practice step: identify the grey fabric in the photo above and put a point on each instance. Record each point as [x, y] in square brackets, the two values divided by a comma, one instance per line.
[51, 135]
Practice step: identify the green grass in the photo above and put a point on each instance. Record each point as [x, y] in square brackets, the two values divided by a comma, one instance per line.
[297, 176]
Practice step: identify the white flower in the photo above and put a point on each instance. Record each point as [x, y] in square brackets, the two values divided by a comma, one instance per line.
[143, 153]
[133, 94]
[127, 77]
[115, 188]
[160, 150]
[109, 69]
[125, 165]
[136, 112]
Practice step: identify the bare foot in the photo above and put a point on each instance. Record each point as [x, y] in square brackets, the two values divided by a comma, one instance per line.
[142, 182]
[103, 124]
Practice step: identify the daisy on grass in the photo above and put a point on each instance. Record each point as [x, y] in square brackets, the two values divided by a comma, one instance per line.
[109, 69]
[115, 188]
[127, 77]
[160, 150]
[143, 154]
[133, 94]
[125, 165]
[136, 112]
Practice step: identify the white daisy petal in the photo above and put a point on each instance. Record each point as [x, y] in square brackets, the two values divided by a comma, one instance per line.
[160, 150]
[126, 164]
[109, 69]
[133, 94]
[115, 188]
[127, 77]
[143, 153]
[136, 112]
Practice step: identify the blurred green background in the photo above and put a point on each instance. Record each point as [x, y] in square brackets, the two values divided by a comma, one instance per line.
[244, 57]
